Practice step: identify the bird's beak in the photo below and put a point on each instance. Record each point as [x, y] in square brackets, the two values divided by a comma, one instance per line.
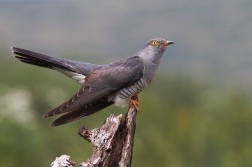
[166, 43]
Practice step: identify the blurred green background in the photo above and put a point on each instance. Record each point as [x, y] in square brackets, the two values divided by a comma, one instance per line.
[197, 112]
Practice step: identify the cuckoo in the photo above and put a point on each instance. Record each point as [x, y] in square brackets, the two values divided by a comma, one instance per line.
[116, 83]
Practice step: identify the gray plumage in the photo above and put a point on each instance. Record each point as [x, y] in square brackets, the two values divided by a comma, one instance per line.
[102, 85]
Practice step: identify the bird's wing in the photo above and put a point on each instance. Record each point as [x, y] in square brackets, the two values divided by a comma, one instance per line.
[80, 113]
[102, 82]
[74, 69]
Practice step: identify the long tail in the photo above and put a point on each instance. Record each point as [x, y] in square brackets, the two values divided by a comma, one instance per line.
[81, 113]
[62, 65]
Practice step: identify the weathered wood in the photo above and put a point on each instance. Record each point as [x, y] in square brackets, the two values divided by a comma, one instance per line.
[63, 161]
[104, 141]
[128, 142]
[113, 142]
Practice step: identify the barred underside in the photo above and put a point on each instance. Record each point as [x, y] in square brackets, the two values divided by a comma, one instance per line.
[136, 88]
[123, 96]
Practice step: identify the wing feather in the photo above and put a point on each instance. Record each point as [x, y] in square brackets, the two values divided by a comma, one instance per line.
[102, 82]
[79, 114]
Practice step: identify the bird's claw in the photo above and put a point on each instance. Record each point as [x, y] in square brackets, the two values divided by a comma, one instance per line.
[134, 102]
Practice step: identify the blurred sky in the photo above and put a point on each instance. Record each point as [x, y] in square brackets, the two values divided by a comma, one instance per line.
[213, 39]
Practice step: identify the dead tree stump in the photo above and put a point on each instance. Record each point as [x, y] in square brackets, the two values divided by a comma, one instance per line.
[112, 143]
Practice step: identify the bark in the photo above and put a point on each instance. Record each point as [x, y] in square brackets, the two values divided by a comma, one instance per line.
[63, 161]
[112, 143]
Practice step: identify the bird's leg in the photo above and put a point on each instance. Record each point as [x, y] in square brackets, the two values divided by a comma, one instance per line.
[134, 101]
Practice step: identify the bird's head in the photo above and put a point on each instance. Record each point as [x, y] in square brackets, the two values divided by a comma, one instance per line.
[154, 48]
[158, 44]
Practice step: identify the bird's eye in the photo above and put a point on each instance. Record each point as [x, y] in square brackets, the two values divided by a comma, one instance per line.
[154, 43]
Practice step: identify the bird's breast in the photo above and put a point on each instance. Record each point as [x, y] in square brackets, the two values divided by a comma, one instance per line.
[123, 96]
[121, 102]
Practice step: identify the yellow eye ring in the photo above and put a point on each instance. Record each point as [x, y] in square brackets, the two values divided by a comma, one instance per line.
[154, 43]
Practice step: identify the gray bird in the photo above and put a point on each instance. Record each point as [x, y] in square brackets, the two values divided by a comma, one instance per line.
[102, 85]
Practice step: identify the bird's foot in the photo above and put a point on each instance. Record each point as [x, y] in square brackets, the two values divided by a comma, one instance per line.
[134, 101]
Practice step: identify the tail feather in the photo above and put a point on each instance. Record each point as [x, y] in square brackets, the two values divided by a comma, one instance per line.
[62, 65]
[41, 60]
[81, 113]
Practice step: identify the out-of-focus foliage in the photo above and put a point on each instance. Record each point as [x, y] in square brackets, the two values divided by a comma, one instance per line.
[182, 122]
